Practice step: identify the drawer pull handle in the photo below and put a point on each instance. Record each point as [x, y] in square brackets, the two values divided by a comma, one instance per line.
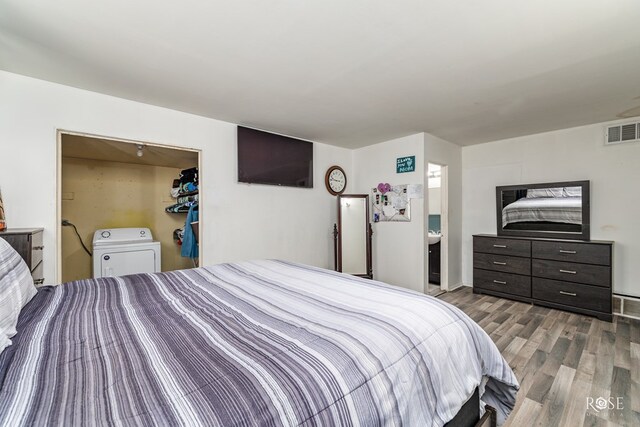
[38, 248]
[499, 282]
[499, 246]
[562, 251]
[568, 271]
[38, 281]
[571, 294]
[499, 263]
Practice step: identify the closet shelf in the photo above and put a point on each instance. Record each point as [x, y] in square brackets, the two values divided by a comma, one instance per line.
[191, 193]
[185, 200]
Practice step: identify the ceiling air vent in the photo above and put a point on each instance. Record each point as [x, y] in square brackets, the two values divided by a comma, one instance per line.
[629, 132]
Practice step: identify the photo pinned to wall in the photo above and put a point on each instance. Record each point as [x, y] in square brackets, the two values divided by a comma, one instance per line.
[3, 222]
[390, 203]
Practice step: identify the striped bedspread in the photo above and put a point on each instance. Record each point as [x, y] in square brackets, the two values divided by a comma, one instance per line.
[261, 343]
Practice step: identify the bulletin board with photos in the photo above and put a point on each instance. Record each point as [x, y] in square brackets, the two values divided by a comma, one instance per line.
[3, 223]
[391, 205]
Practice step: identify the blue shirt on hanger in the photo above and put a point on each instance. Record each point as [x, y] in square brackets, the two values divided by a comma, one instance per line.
[189, 242]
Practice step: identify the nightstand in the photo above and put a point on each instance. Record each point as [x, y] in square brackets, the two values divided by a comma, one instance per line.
[28, 243]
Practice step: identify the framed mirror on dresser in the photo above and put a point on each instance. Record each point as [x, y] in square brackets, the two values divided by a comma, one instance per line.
[542, 253]
[553, 209]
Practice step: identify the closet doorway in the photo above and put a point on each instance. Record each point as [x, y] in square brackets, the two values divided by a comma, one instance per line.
[436, 239]
[110, 183]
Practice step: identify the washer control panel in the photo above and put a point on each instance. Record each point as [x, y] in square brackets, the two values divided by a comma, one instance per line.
[114, 236]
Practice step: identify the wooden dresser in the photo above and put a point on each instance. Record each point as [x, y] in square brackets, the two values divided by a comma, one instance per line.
[28, 243]
[569, 275]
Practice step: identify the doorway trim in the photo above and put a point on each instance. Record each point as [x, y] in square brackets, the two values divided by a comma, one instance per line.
[59, 135]
[444, 226]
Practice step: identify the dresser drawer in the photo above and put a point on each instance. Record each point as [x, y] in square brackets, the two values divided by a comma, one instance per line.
[506, 264]
[508, 283]
[572, 252]
[494, 245]
[572, 294]
[597, 275]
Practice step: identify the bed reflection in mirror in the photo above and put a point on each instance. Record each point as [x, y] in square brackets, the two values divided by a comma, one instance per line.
[560, 208]
[537, 208]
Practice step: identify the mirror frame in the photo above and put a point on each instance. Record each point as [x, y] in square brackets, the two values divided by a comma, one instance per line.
[338, 235]
[584, 234]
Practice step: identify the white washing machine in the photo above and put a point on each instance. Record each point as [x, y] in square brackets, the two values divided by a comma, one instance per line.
[122, 251]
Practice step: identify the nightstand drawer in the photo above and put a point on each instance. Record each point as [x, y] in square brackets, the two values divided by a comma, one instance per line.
[572, 294]
[506, 264]
[36, 250]
[572, 252]
[508, 283]
[38, 274]
[511, 247]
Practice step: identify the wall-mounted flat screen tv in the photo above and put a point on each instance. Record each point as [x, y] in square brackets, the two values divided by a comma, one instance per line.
[267, 158]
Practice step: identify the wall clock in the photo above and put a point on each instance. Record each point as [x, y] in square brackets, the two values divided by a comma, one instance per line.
[335, 180]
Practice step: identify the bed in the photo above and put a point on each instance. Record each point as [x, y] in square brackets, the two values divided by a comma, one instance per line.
[566, 210]
[260, 343]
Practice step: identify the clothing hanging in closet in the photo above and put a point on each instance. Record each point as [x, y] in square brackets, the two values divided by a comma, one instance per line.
[189, 242]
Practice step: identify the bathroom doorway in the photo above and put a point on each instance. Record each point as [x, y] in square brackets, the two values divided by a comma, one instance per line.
[436, 224]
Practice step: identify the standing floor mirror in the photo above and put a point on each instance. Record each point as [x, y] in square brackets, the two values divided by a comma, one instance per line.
[352, 236]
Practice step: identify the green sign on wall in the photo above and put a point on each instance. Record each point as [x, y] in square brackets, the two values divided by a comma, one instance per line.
[405, 164]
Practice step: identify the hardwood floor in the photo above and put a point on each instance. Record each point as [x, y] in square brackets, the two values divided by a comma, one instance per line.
[562, 360]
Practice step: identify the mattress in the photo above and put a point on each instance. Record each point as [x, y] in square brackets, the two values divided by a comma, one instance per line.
[566, 210]
[261, 343]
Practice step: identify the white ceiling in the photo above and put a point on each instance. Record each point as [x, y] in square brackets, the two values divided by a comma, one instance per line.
[348, 73]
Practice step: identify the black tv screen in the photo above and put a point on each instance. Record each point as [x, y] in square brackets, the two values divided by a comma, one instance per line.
[266, 158]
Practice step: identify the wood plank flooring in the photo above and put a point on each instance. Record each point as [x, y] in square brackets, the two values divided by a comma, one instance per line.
[561, 360]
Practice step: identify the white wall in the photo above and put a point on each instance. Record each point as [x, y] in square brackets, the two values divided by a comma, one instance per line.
[565, 155]
[444, 153]
[398, 247]
[239, 221]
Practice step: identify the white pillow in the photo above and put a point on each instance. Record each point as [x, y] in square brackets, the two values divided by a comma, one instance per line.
[539, 193]
[572, 191]
[16, 290]
[4, 342]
